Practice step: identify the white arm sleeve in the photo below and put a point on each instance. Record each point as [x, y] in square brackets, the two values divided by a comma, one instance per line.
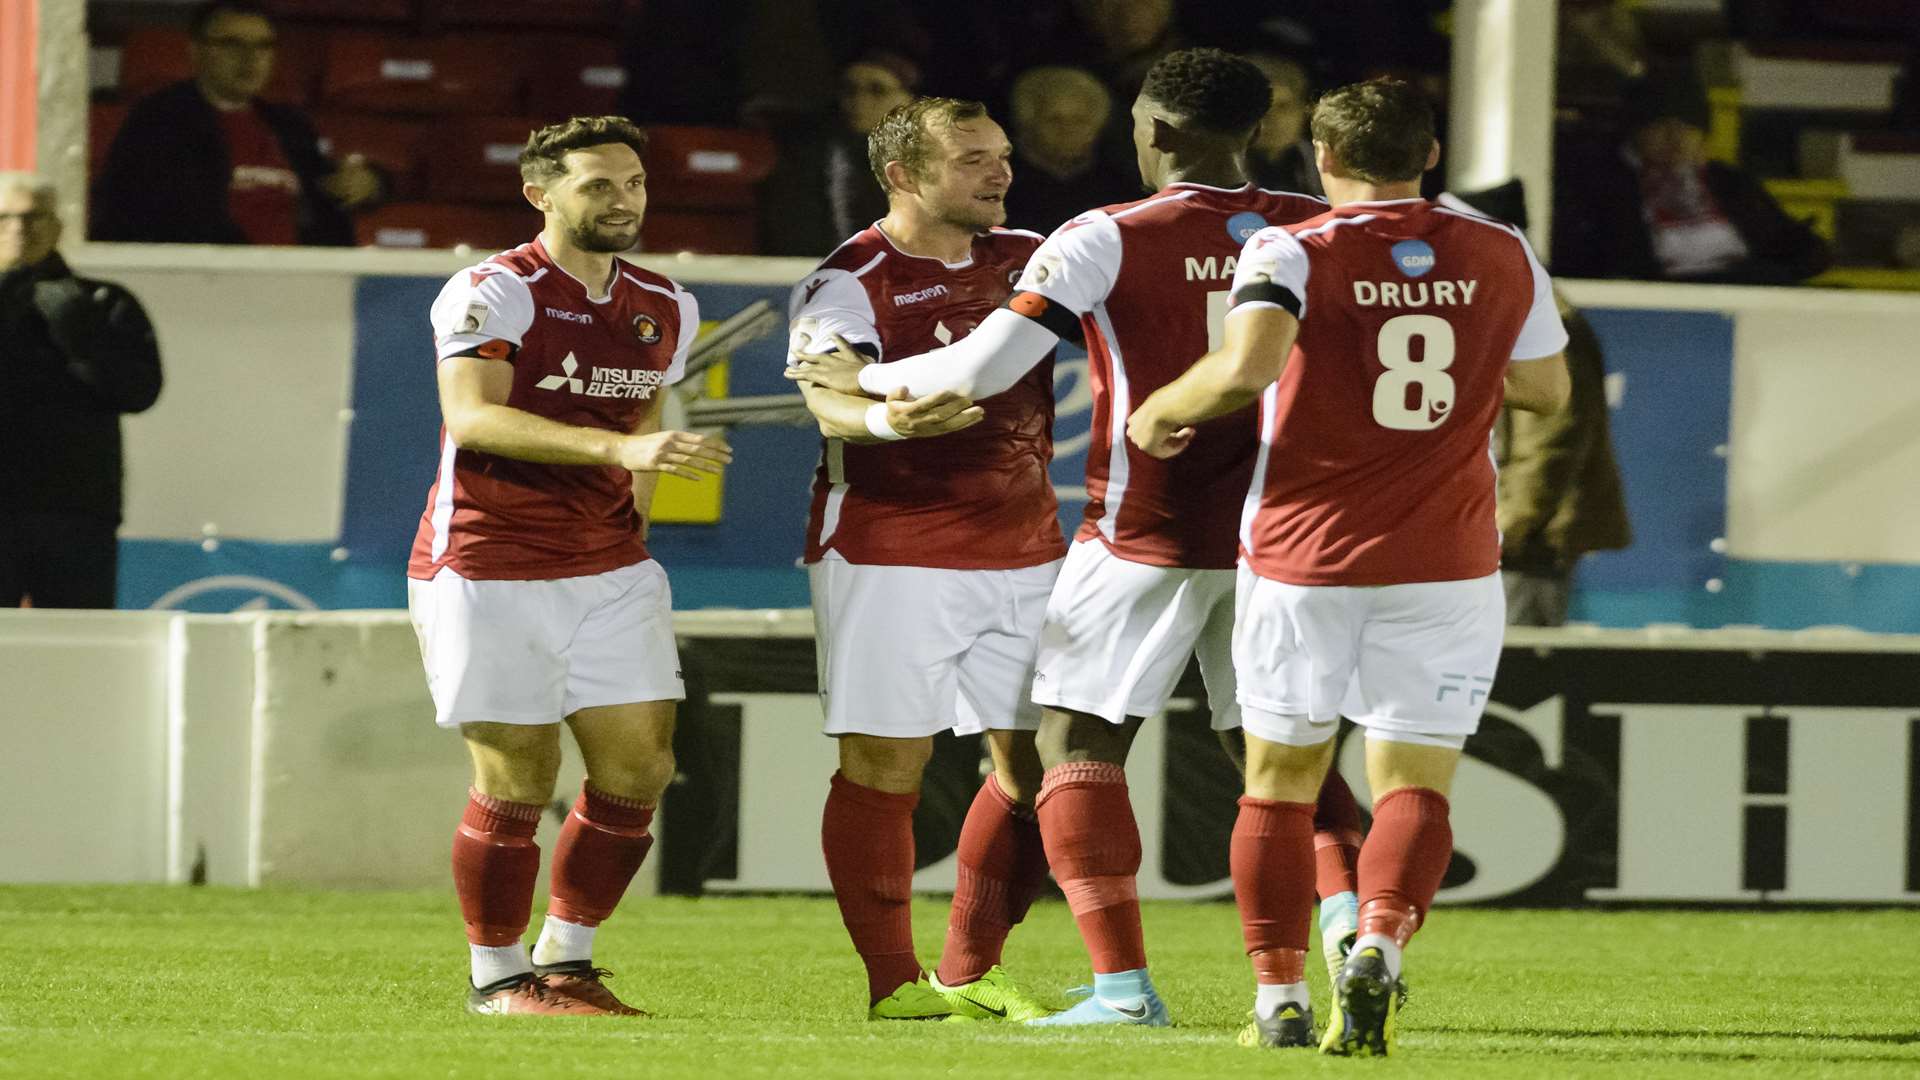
[1543, 334]
[1272, 272]
[1001, 350]
[478, 305]
[1075, 269]
[689, 330]
[829, 302]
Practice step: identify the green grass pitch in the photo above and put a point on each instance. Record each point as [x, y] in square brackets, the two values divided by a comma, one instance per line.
[178, 982]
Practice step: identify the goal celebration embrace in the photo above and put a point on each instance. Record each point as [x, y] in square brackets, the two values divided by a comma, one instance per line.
[1235, 514]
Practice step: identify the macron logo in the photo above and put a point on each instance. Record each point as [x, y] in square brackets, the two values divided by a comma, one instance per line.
[928, 293]
[567, 381]
[570, 316]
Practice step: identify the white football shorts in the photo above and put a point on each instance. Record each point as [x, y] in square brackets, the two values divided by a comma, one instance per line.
[1410, 663]
[535, 652]
[908, 651]
[1118, 635]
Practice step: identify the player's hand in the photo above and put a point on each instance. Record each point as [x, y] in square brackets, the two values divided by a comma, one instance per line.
[936, 414]
[837, 369]
[676, 453]
[1155, 435]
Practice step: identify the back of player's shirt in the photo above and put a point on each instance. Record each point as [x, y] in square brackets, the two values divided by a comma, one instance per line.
[1149, 281]
[1375, 466]
[978, 499]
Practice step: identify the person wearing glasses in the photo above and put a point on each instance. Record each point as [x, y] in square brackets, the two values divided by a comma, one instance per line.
[207, 161]
[74, 355]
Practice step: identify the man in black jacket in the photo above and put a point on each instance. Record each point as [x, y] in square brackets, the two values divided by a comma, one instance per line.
[206, 161]
[74, 355]
[1655, 209]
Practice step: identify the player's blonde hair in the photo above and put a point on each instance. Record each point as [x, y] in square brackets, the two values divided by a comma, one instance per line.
[1380, 131]
[908, 134]
[544, 159]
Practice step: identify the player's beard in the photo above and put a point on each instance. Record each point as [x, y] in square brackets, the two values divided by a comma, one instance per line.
[972, 213]
[591, 235]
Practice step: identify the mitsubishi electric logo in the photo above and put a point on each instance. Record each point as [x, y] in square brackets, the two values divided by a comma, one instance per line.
[605, 382]
[555, 382]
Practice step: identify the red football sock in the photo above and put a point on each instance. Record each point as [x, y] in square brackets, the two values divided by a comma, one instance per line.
[1403, 861]
[867, 836]
[1002, 867]
[1336, 838]
[1271, 853]
[494, 863]
[1093, 846]
[602, 844]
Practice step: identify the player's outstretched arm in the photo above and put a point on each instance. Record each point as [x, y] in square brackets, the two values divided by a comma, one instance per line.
[859, 419]
[1258, 339]
[1539, 386]
[999, 352]
[473, 396]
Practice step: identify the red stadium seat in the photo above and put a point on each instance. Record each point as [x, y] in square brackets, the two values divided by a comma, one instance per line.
[477, 160]
[394, 144]
[102, 122]
[579, 77]
[596, 14]
[692, 230]
[396, 75]
[433, 225]
[706, 168]
[153, 58]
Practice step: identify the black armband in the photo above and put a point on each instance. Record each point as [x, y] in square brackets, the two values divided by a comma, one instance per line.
[1060, 322]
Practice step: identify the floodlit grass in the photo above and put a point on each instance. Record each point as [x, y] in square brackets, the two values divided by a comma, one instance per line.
[177, 982]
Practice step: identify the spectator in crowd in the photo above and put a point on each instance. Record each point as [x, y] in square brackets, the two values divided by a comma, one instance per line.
[1657, 209]
[823, 190]
[206, 161]
[1559, 488]
[74, 355]
[1281, 157]
[1058, 113]
[1116, 40]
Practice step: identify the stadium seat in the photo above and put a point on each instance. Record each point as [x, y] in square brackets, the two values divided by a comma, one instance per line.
[477, 160]
[376, 73]
[393, 143]
[434, 225]
[152, 58]
[706, 232]
[103, 120]
[706, 168]
[583, 77]
[597, 14]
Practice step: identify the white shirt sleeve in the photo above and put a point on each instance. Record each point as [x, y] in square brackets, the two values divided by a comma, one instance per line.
[998, 353]
[1543, 334]
[1272, 272]
[689, 330]
[828, 302]
[477, 305]
[1076, 266]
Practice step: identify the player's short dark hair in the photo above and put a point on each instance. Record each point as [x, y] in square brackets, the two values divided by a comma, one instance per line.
[908, 133]
[1210, 88]
[204, 13]
[545, 157]
[1380, 130]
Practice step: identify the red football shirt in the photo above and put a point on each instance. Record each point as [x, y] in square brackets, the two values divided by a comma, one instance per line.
[591, 362]
[263, 194]
[978, 499]
[1149, 281]
[1375, 464]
